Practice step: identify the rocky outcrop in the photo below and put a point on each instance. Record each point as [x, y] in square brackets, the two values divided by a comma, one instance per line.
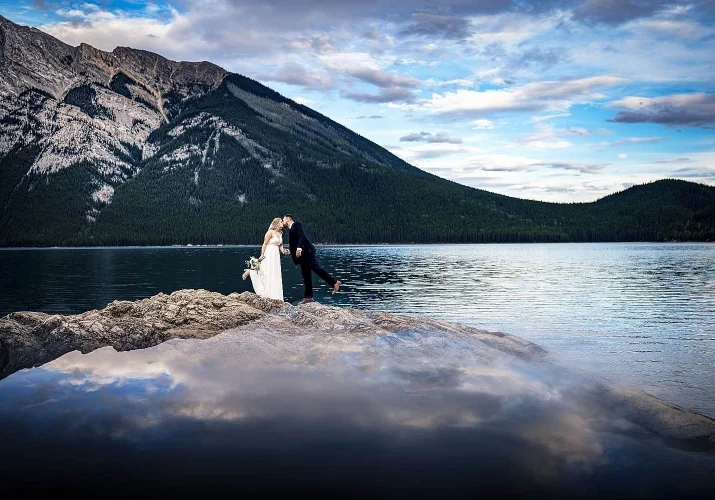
[313, 334]
[678, 426]
[30, 339]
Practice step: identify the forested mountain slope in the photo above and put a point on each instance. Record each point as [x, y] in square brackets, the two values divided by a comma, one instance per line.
[127, 147]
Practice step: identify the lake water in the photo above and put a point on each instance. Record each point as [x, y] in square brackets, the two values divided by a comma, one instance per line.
[416, 414]
[638, 313]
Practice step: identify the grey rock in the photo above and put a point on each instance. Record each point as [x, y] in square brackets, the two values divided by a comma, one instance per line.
[29, 338]
[662, 418]
[33, 59]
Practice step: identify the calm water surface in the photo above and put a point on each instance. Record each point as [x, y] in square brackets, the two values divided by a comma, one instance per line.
[417, 414]
[643, 314]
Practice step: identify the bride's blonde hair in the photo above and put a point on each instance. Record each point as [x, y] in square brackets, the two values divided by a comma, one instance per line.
[276, 224]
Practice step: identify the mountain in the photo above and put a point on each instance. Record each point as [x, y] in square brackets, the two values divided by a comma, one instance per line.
[127, 147]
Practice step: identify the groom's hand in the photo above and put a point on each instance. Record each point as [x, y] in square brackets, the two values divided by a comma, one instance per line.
[298, 252]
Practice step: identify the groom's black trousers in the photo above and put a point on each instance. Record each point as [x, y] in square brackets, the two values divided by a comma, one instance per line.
[308, 266]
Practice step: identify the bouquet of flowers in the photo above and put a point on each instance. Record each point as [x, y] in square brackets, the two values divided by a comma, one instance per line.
[254, 263]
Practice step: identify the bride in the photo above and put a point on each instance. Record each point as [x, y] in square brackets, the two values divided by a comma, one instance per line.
[267, 281]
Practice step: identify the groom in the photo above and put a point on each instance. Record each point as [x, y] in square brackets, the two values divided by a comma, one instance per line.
[303, 253]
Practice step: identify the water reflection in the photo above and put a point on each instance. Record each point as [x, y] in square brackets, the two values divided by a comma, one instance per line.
[637, 313]
[418, 414]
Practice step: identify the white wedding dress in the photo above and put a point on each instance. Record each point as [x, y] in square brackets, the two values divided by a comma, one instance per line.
[268, 280]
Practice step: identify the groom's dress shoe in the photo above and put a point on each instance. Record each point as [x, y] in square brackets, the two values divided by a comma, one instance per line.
[307, 300]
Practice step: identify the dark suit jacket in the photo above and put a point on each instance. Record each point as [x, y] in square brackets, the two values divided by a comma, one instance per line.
[298, 238]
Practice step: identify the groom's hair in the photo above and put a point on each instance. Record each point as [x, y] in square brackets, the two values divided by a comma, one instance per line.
[289, 216]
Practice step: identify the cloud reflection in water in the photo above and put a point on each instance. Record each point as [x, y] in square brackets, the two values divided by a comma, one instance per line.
[412, 414]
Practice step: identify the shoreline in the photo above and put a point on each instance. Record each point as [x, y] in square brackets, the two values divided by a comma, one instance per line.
[347, 245]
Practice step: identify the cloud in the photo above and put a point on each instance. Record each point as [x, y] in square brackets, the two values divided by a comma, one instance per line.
[673, 160]
[586, 186]
[502, 49]
[543, 118]
[294, 74]
[392, 87]
[578, 130]
[385, 95]
[70, 13]
[384, 79]
[470, 160]
[413, 137]
[695, 172]
[542, 187]
[614, 12]
[437, 26]
[582, 131]
[670, 29]
[630, 140]
[303, 100]
[373, 34]
[439, 137]
[371, 117]
[622, 156]
[482, 124]
[692, 110]
[557, 95]
[434, 153]
[506, 168]
[106, 30]
[537, 56]
[542, 144]
[43, 4]
[544, 137]
[584, 168]
[320, 43]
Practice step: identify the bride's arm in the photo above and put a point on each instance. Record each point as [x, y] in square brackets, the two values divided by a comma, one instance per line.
[266, 239]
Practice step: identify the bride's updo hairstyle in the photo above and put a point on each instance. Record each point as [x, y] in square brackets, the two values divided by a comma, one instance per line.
[276, 224]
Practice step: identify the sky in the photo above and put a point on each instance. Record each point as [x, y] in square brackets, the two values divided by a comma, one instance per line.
[554, 100]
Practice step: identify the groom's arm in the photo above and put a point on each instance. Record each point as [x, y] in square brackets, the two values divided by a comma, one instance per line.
[302, 238]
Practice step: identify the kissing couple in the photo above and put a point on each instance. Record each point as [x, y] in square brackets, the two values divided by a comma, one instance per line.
[267, 280]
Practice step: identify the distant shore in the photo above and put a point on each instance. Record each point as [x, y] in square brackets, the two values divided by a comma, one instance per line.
[248, 245]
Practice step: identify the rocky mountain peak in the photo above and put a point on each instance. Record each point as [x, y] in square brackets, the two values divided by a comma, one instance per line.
[32, 59]
[164, 75]
[62, 106]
